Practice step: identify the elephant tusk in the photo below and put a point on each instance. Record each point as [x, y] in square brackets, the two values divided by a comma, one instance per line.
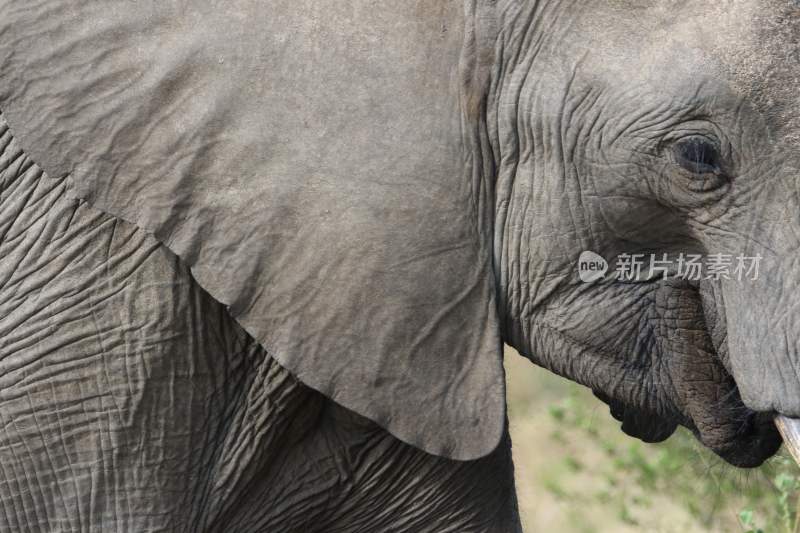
[789, 429]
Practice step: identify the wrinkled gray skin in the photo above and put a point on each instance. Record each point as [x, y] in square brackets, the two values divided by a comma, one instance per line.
[587, 109]
[111, 355]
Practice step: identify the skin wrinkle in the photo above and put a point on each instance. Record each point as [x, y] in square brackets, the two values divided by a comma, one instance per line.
[244, 429]
[569, 115]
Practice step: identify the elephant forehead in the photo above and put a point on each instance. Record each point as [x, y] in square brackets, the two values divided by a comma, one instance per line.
[673, 56]
[305, 159]
[749, 47]
[764, 61]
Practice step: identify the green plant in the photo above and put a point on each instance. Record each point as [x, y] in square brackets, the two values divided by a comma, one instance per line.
[746, 517]
[710, 490]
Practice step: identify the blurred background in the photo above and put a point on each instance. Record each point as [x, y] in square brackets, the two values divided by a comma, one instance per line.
[577, 472]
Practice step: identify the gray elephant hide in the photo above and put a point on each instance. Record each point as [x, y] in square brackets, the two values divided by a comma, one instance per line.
[306, 159]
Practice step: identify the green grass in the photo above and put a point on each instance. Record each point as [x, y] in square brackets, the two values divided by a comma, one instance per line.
[577, 471]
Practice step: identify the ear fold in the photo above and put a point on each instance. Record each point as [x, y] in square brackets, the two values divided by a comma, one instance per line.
[305, 158]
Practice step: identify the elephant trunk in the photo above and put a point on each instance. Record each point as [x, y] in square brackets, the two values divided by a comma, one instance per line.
[763, 342]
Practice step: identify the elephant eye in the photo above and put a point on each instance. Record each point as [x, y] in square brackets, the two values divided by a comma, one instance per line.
[698, 155]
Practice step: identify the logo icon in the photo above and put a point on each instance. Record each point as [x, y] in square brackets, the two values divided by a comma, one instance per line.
[591, 267]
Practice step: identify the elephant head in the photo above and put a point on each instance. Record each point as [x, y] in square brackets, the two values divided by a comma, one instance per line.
[382, 195]
[655, 128]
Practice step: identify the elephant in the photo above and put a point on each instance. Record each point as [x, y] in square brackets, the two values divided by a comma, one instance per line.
[258, 261]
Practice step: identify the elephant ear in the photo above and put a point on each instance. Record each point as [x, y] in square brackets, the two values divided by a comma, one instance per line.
[308, 160]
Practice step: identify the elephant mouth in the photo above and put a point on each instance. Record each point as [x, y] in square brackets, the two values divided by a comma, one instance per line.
[709, 402]
[742, 437]
[745, 437]
[680, 375]
[690, 383]
[755, 440]
[723, 423]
